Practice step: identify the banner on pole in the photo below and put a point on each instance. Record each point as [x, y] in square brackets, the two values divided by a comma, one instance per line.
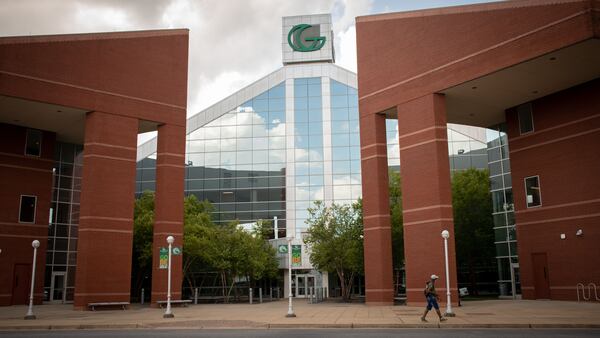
[296, 255]
[163, 258]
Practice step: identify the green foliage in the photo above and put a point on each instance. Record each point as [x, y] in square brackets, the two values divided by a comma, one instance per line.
[236, 253]
[264, 229]
[143, 224]
[335, 238]
[228, 249]
[196, 224]
[395, 189]
[473, 223]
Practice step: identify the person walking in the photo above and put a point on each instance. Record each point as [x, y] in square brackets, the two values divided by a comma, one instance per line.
[432, 298]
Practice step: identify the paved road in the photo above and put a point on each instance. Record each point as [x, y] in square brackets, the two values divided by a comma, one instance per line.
[304, 333]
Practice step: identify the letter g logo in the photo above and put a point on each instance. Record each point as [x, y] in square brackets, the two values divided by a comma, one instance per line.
[295, 39]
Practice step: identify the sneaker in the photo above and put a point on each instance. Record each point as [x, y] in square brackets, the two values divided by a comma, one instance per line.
[442, 319]
[423, 319]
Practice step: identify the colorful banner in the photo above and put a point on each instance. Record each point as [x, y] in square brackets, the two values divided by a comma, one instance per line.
[163, 258]
[296, 255]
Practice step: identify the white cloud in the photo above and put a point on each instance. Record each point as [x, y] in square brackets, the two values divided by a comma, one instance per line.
[347, 49]
[232, 43]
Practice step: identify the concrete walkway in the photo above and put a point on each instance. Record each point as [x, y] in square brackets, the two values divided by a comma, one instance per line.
[473, 314]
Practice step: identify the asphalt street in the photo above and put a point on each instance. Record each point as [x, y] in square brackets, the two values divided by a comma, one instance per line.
[305, 333]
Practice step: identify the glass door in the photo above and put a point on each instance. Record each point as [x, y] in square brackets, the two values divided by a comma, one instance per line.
[57, 287]
[301, 286]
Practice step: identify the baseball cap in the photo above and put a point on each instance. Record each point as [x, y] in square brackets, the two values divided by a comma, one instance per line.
[434, 277]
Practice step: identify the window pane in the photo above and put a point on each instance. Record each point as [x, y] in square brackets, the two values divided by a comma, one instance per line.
[532, 192]
[34, 143]
[525, 118]
[27, 214]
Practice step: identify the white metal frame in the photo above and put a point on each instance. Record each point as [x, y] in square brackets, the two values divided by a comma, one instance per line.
[64, 286]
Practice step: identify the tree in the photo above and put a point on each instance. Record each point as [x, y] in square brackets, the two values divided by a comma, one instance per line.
[196, 224]
[335, 239]
[143, 225]
[395, 190]
[236, 253]
[473, 223]
[226, 248]
[264, 229]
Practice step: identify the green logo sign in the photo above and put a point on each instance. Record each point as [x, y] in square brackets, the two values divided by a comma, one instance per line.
[176, 251]
[282, 248]
[295, 39]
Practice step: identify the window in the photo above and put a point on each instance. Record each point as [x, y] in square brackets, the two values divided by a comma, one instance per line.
[525, 118]
[27, 209]
[33, 144]
[533, 196]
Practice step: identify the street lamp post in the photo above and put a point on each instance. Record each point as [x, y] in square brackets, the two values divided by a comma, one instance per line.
[168, 313]
[290, 308]
[449, 313]
[35, 244]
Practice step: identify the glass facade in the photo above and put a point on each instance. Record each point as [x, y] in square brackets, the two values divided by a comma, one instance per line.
[464, 151]
[503, 211]
[239, 161]
[61, 255]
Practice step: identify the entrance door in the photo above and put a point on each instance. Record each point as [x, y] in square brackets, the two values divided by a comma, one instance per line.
[21, 284]
[516, 280]
[541, 280]
[57, 287]
[301, 286]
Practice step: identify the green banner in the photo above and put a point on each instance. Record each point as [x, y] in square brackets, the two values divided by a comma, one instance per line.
[163, 258]
[296, 255]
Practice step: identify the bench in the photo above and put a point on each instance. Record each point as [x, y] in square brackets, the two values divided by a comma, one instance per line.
[123, 305]
[183, 302]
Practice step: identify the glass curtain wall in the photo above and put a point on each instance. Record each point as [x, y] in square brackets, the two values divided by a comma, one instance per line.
[464, 151]
[61, 256]
[345, 143]
[237, 162]
[308, 147]
[503, 211]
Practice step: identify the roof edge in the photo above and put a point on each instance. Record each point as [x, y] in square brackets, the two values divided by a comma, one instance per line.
[93, 36]
[481, 7]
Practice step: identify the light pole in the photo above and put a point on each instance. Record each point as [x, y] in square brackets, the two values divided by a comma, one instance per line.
[35, 244]
[449, 313]
[290, 308]
[168, 313]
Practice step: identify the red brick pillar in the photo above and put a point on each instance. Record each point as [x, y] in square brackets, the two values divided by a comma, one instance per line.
[168, 216]
[376, 211]
[426, 195]
[106, 215]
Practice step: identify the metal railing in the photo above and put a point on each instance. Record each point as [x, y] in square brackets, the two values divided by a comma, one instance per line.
[590, 286]
[316, 295]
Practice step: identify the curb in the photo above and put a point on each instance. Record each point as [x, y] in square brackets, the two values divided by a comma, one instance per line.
[187, 325]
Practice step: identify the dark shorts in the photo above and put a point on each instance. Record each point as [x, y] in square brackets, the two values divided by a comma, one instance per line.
[432, 302]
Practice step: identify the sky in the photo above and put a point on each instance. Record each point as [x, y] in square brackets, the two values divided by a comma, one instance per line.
[232, 42]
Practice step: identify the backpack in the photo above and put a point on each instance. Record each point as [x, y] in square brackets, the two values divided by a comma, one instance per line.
[426, 290]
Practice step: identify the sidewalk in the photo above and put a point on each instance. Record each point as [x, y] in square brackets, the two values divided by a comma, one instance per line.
[473, 314]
